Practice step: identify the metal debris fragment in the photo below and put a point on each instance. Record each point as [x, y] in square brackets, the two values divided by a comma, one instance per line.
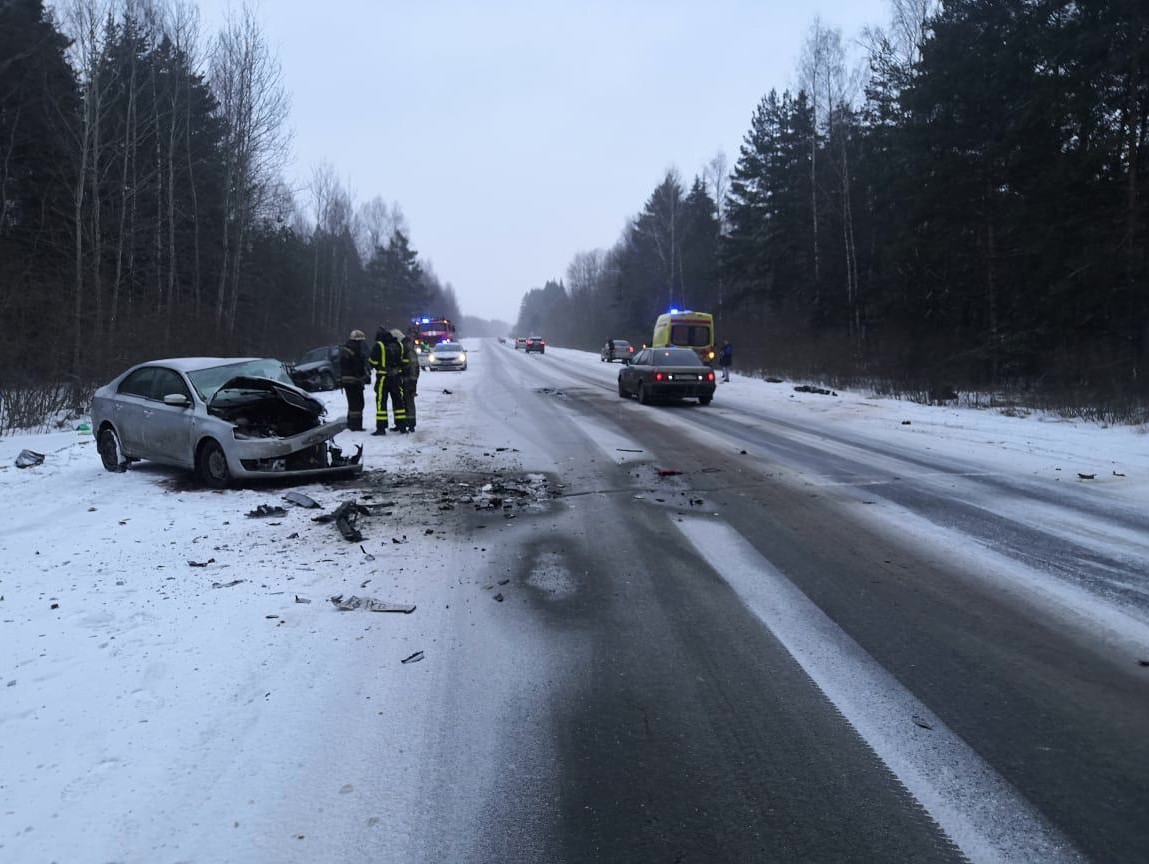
[230, 584]
[413, 658]
[201, 563]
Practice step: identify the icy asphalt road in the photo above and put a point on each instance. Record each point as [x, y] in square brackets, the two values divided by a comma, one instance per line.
[856, 640]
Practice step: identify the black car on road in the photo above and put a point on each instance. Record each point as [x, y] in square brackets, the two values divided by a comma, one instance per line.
[535, 343]
[666, 373]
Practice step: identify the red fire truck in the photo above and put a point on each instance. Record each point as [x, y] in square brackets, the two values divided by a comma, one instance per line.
[429, 331]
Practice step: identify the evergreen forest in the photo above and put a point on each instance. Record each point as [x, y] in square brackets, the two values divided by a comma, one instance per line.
[963, 210]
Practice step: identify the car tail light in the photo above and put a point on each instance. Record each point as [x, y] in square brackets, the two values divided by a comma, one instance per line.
[630, 349]
[710, 376]
[657, 376]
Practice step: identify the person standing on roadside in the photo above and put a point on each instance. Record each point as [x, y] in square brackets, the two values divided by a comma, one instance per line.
[410, 378]
[380, 360]
[353, 374]
[725, 359]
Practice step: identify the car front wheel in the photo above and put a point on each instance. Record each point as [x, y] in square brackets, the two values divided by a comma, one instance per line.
[211, 465]
[111, 454]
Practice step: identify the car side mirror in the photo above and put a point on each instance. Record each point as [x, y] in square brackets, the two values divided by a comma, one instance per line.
[177, 400]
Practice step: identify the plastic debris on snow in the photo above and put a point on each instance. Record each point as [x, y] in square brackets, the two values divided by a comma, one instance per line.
[345, 517]
[301, 500]
[371, 604]
[263, 511]
[821, 391]
[29, 459]
[413, 658]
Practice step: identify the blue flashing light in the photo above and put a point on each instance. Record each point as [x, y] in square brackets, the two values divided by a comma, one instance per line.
[425, 320]
[673, 311]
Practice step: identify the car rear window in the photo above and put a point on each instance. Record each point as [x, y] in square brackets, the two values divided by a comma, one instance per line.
[676, 357]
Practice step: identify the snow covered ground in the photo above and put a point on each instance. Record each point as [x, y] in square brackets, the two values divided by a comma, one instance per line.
[156, 709]
[153, 709]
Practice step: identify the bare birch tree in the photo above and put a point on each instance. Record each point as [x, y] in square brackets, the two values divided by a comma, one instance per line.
[248, 84]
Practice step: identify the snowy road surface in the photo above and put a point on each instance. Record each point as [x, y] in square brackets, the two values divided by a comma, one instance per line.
[835, 635]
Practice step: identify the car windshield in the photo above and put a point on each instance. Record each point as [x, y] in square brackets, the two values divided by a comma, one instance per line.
[448, 346]
[208, 381]
[675, 357]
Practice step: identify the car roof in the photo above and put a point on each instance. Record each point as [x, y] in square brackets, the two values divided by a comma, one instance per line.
[194, 364]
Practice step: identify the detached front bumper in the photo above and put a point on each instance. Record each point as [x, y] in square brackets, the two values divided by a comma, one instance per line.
[307, 454]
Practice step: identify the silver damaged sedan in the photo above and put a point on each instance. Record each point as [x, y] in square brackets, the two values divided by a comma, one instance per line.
[224, 418]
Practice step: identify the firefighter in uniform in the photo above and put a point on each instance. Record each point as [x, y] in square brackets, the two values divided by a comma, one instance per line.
[353, 374]
[386, 360]
[410, 376]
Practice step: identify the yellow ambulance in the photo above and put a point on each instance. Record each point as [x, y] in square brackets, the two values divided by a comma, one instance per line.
[682, 328]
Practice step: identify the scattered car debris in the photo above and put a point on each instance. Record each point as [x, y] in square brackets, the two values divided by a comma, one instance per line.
[627, 450]
[299, 599]
[905, 422]
[301, 500]
[371, 604]
[230, 584]
[270, 616]
[429, 531]
[263, 511]
[504, 581]
[742, 452]
[1143, 663]
[918, 721]
[413, 658]
[54, 606]
[446, 392]
[821, 391]
[668, 472]
[29, 459]
[1118, 474]
[345, 517]
[770, 379]
[1086, 476]
[367, 556]
[374, 605]
[499, 598]
[201, 563]
[399, 542]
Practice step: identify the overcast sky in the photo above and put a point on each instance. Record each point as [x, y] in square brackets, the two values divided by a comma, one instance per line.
[515, 134]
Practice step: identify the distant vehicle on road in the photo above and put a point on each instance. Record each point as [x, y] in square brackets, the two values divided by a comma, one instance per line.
[685, 329]
[535, 343]
[445, 356]
[520, 342]
[616, 349]
[318, 369]
[666, 373]
[224, 418]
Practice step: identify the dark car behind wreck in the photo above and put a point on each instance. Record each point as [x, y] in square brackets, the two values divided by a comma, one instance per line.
[224, 418]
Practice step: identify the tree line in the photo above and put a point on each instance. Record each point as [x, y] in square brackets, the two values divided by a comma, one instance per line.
[968, 210]
[144, 210]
